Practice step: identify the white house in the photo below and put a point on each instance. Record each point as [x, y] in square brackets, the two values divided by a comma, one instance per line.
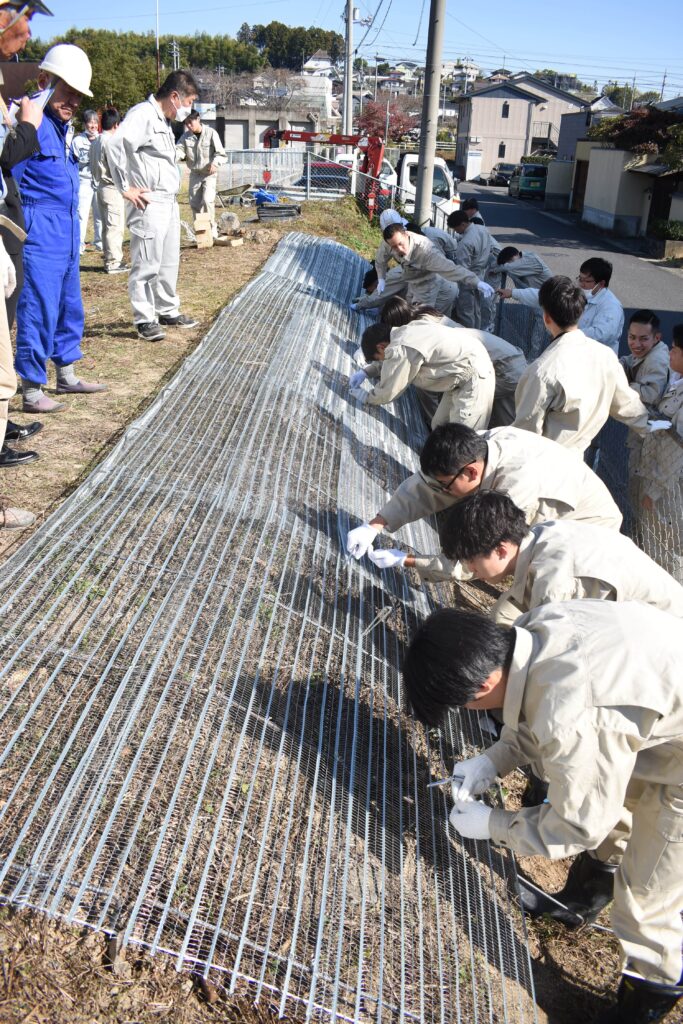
[319, 65]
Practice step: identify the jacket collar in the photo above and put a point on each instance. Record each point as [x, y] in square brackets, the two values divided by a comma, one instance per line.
[517, 676]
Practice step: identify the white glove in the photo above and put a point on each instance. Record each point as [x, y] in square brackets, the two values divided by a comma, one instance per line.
[359, 394]
[654, 425]
[353, 306]
[357, 378]
[360, 540]
[381, 285]
[8, 274]
[471, 819]
[387, 558]
[472, 777]
[485, 289]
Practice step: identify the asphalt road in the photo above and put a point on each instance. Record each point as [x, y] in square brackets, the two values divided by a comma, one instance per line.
[638, 283]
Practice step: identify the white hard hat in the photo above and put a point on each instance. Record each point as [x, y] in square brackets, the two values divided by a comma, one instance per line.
[71, 64]
[388, 217]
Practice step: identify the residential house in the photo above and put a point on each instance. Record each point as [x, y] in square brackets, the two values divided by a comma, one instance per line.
[573, 126]
[319, 65]
[460, 75]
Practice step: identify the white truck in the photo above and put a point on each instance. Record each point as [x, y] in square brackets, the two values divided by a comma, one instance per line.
[401, 183]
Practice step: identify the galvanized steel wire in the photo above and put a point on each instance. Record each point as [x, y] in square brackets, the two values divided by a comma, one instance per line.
[204, 747]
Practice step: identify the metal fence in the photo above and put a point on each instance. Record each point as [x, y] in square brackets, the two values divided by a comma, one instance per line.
[645, 476]
[203, 745]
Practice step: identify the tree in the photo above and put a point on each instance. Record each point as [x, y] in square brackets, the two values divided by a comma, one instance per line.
[645, 130]
[374, 116]
[624, 95]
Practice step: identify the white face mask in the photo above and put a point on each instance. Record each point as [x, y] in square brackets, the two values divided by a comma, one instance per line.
[588, 292]
[182, 113]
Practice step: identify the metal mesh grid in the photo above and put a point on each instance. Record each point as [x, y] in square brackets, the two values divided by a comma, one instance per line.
[203, 742]
[644, 476]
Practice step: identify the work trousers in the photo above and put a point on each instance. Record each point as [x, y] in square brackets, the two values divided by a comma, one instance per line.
[647, 843]
[50, 315]
[503, 408]
[202, 195]
[8, 378]
[154, 258]
[470, 404]
[468, 308]
[87, 201]
[112, 209]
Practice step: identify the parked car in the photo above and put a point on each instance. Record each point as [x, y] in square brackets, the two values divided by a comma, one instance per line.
[500, 174]
[528, 180]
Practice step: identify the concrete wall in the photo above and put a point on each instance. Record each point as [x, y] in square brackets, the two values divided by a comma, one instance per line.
[617, 200]
[572, 128]
[559, 184]
[245, 126]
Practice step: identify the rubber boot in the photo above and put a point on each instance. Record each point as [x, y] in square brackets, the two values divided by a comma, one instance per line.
[641, 1002]
[588, 889]
[535, 793]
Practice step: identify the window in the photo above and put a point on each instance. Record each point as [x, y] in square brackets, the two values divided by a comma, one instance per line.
[501, 149]
[440, 187]
[506, 109]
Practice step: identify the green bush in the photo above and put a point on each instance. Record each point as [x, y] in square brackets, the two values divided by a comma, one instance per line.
[668, 229]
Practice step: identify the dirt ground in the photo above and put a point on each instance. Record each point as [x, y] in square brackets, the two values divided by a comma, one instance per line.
[61, 975]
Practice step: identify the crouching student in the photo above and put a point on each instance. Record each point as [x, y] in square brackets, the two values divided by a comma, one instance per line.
[590, 696]
[434, 358]
[552, 561]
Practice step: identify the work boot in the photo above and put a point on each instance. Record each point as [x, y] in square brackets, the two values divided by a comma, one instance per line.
[641, 1002]
[588, 889]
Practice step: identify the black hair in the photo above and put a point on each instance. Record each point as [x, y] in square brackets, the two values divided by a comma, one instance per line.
[370, 278]
[562, 300]
[414, 228]
[506, 254]
[396, 312]
[645, 316]
[373, 336]
[677, 335]
[193, 115]
[449, 658]
[599, 269]
[470, 204]
[179, 81]
[391, 230]
[479, 523]
[451, 447]
[110, 118]
[456, 218]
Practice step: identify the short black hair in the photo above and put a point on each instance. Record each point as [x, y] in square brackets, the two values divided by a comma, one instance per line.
[415, 229]
[456, 218]
[449, 658]
[391, 230]
[396, 312]
[562, 300]
[677, 335]
[110, 118]
[599, 269]
[374, 335]
[179, 81]
[479, 523]
[193, 116]
[506, 254]
[470, 204]
[645, 316]
[370, 278]
[451, 447]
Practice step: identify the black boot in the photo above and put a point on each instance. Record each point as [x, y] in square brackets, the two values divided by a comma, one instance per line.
[589, 888]
[641, 1002]
[536, 791]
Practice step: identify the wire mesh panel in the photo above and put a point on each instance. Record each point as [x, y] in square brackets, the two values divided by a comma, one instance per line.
[204, 745]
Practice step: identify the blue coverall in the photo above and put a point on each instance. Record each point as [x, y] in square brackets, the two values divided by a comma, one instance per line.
[50, 314]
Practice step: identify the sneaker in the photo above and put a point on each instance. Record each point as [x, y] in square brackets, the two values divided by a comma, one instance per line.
[118, 268]
[150, 331]
[179, 321]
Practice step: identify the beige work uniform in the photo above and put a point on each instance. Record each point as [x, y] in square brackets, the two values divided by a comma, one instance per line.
[443, 240]
[529, 271]
[474, 253]
[424, 266]
[395, 284]
[649, 375]
[566, 561]
[568, 393]
[438, 359]
[111, 202]
[594, 703]
[542, 478]
[201, 152]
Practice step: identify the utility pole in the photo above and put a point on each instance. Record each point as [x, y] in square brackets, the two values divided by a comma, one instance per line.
[347, 120]
[661, 94]
[158, 54]
[430, 112]
[633, 92]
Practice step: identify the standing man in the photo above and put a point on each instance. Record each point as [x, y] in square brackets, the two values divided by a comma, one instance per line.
[142, 159]
[203, 150]
[50, 316]
[112, 207]
[474, 253]
[591, 697]
[87, 197]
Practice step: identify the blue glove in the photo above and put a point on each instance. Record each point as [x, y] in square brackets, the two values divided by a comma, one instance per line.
[359, 394]
[357, 378]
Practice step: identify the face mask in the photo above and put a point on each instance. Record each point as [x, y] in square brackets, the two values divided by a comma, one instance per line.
[588, 292]
[182, 113]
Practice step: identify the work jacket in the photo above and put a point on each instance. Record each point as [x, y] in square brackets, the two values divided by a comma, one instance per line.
[593, 701]
[142, 151]
[529, 271]
[201, 151]
[430, 356]
[543, 479]
[649, 375]
[602, 319]
[50, 176]
[474, 249]
[661, 457]
[568, 393]
[99, 160]
[81, 146]
[422, 261]
[443, 240]
[566, 561]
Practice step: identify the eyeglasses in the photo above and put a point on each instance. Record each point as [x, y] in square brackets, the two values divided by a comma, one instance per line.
[587, 282]
[437, 485]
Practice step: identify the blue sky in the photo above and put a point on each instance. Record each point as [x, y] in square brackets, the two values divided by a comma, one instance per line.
[596, 40]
